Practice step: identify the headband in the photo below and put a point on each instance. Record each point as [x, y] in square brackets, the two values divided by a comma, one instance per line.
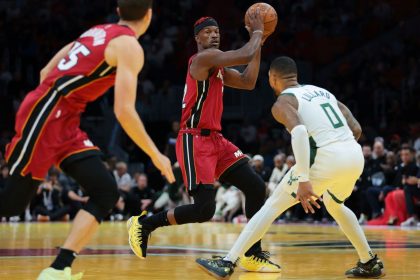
[203, 23]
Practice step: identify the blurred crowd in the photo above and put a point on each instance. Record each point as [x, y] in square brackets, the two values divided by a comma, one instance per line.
[365, 52]
[387, 192]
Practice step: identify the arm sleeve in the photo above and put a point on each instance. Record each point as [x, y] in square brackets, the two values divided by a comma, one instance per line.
[301, 149]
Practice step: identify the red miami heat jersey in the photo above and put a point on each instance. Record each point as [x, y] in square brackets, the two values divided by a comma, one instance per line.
[47, 122]
[83, 75]
[202, 105]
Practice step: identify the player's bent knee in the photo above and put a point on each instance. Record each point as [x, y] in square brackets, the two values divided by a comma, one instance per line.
[100, 204]
[206, 211]
[331, 204]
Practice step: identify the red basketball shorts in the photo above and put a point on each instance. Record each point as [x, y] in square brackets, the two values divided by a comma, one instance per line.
[47, 134]
[203, 159]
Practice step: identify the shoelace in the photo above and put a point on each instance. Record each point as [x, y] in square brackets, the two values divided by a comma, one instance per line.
[263, 256]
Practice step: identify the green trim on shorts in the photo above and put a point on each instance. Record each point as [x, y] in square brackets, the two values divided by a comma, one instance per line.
[313, 151]
[335, 198]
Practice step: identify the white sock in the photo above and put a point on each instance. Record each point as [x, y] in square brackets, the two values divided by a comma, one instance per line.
[348, 223]
[276, 204]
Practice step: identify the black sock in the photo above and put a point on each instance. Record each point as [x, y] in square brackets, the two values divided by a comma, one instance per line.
[64, 259]
[158, 220]
[254, 249]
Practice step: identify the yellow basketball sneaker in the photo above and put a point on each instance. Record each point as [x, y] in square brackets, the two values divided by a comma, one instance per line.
[55, 274]
[258, 262]
[137, 235]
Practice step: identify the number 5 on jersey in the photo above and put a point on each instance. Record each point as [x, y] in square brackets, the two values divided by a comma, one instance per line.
[74, 53]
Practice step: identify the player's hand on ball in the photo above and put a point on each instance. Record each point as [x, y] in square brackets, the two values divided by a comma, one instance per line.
[164, 165]
[305, 195]
[256, 22]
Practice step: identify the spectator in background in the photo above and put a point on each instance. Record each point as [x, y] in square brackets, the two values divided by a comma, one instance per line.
[47, 204]
[122, 177]
[395, 210]
[290, 161]
[264, 172]
[140, 198]
[171, 141]
[358, 201]
[389, 167]
[399, 204]
[280, 168]
[73, 197]
[173, 194]
[228, 201]
[409, 182]
[377, 193]
[378, 156]
[407, 168]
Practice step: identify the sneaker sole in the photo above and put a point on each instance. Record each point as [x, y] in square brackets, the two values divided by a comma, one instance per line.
[262, 270]
[383, 274]
[211, 273]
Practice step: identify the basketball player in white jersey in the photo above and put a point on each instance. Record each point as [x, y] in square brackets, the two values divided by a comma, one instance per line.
[328, 162]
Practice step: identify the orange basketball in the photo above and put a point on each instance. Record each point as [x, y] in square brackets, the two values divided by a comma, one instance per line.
[269, 14]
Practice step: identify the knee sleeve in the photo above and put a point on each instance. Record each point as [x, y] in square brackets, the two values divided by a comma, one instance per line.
[102, 202]
[98, 183]
[204, 204]
[205, 211]
[17, 195]
[201, 211]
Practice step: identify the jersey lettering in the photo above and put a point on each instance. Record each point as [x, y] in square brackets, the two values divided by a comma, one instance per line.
[98, 35]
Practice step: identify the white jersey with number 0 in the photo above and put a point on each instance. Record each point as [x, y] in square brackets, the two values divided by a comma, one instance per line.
[319, 112]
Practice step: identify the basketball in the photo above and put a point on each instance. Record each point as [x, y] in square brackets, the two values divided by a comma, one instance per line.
[269, 14]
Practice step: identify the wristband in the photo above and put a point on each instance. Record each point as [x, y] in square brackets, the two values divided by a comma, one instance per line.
[257, 31]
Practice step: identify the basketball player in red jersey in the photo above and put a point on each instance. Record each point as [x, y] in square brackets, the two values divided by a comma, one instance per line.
[202, 151]
[47, 125]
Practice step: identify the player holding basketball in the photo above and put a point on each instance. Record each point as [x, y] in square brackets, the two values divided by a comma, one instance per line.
[202, 152]
[328, 162]
[47, 125]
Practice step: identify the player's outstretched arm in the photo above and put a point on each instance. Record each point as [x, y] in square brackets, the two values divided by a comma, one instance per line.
[210, 58]
[351, 120]
[126, 54]
[54, 61]
[248, 78]
[285, 112]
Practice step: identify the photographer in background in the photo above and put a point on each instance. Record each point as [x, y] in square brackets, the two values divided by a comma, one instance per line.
[47, 203]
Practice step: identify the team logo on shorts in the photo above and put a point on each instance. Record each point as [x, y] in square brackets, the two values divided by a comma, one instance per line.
[88, 143]
[238, 153]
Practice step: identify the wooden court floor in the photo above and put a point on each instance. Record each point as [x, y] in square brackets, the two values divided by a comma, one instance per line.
[304, 251]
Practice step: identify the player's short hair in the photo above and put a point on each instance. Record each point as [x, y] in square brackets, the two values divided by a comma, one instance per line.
[284, 65]
[134, 9]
